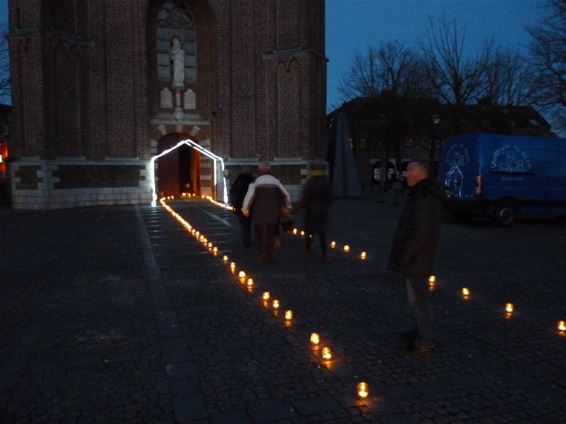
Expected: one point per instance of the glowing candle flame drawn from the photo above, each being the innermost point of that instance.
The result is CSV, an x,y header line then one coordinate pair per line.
x,y
431,280
363,389
275,304
363,256
295,231
509,308
250,282
561,326
315,338
465,292
346,248
225,258
333,244
288,315
242,274
326,353
266,295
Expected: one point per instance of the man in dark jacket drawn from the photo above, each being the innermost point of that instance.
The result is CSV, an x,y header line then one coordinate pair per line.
x,y
316,199
238,191
414,248
265,199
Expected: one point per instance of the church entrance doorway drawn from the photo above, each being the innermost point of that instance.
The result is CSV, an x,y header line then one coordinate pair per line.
x,y
179,170
184,166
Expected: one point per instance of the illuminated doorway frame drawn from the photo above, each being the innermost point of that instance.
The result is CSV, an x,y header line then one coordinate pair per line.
x,y
200,149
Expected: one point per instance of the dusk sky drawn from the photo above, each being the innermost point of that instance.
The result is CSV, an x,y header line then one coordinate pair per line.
x,y
353,25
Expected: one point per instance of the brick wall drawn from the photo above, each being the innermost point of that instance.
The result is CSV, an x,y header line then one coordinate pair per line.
x,y
84,79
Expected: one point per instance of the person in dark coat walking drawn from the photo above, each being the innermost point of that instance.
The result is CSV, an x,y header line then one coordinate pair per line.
x,y
264,200
316,199
414,248
238,191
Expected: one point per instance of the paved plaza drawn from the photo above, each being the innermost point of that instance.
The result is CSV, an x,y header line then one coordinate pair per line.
x,y
117,314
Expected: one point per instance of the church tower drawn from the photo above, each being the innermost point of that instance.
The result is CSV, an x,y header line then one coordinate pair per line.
x,y
100,88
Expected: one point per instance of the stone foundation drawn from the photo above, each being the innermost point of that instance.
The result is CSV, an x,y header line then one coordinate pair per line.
x,y
74,182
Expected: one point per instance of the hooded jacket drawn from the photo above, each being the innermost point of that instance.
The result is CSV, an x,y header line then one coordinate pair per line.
x,y
265,198
414,245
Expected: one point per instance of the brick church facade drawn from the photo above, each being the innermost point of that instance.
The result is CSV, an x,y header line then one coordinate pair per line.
x,y
99,88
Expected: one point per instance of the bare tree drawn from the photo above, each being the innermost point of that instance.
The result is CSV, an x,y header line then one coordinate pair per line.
x,y
392,74
508,79
391,67
548,51
456,77
4,68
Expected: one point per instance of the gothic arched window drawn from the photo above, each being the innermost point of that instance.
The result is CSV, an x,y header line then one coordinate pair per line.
x,y
175,20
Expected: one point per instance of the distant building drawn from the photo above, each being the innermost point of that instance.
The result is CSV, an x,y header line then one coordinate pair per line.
x,y
5,130
100,87
415,128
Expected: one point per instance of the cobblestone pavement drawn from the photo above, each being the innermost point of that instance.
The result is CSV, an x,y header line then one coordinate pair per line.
x,y
117,314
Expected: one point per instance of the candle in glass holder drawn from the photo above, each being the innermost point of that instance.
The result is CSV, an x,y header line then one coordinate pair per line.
x,y
363,390
509,310
315,338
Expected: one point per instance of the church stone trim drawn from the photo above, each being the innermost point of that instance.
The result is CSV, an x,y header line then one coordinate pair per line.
x,y
259,93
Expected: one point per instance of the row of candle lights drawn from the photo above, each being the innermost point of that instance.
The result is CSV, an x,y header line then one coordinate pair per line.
x,y
267,299
346,248
508,309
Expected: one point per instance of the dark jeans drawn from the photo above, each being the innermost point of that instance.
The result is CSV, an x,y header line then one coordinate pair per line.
x,y
420,302
265,240
246,227
309,238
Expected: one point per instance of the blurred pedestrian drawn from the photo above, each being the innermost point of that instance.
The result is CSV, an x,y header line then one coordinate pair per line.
x,y
238,191
264,200
316,199
414,249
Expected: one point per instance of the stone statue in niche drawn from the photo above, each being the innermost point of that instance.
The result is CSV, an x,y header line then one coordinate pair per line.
x,y
178,59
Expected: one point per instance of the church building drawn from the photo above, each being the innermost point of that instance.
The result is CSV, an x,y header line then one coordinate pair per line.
x,y
113,100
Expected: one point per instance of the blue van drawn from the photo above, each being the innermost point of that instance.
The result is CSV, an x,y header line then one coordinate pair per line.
x,y
503,176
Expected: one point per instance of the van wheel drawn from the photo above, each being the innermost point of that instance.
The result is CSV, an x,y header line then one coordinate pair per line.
x,y
504,213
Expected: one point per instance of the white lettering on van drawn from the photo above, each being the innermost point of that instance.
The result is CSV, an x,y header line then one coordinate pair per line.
x,y
509,158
